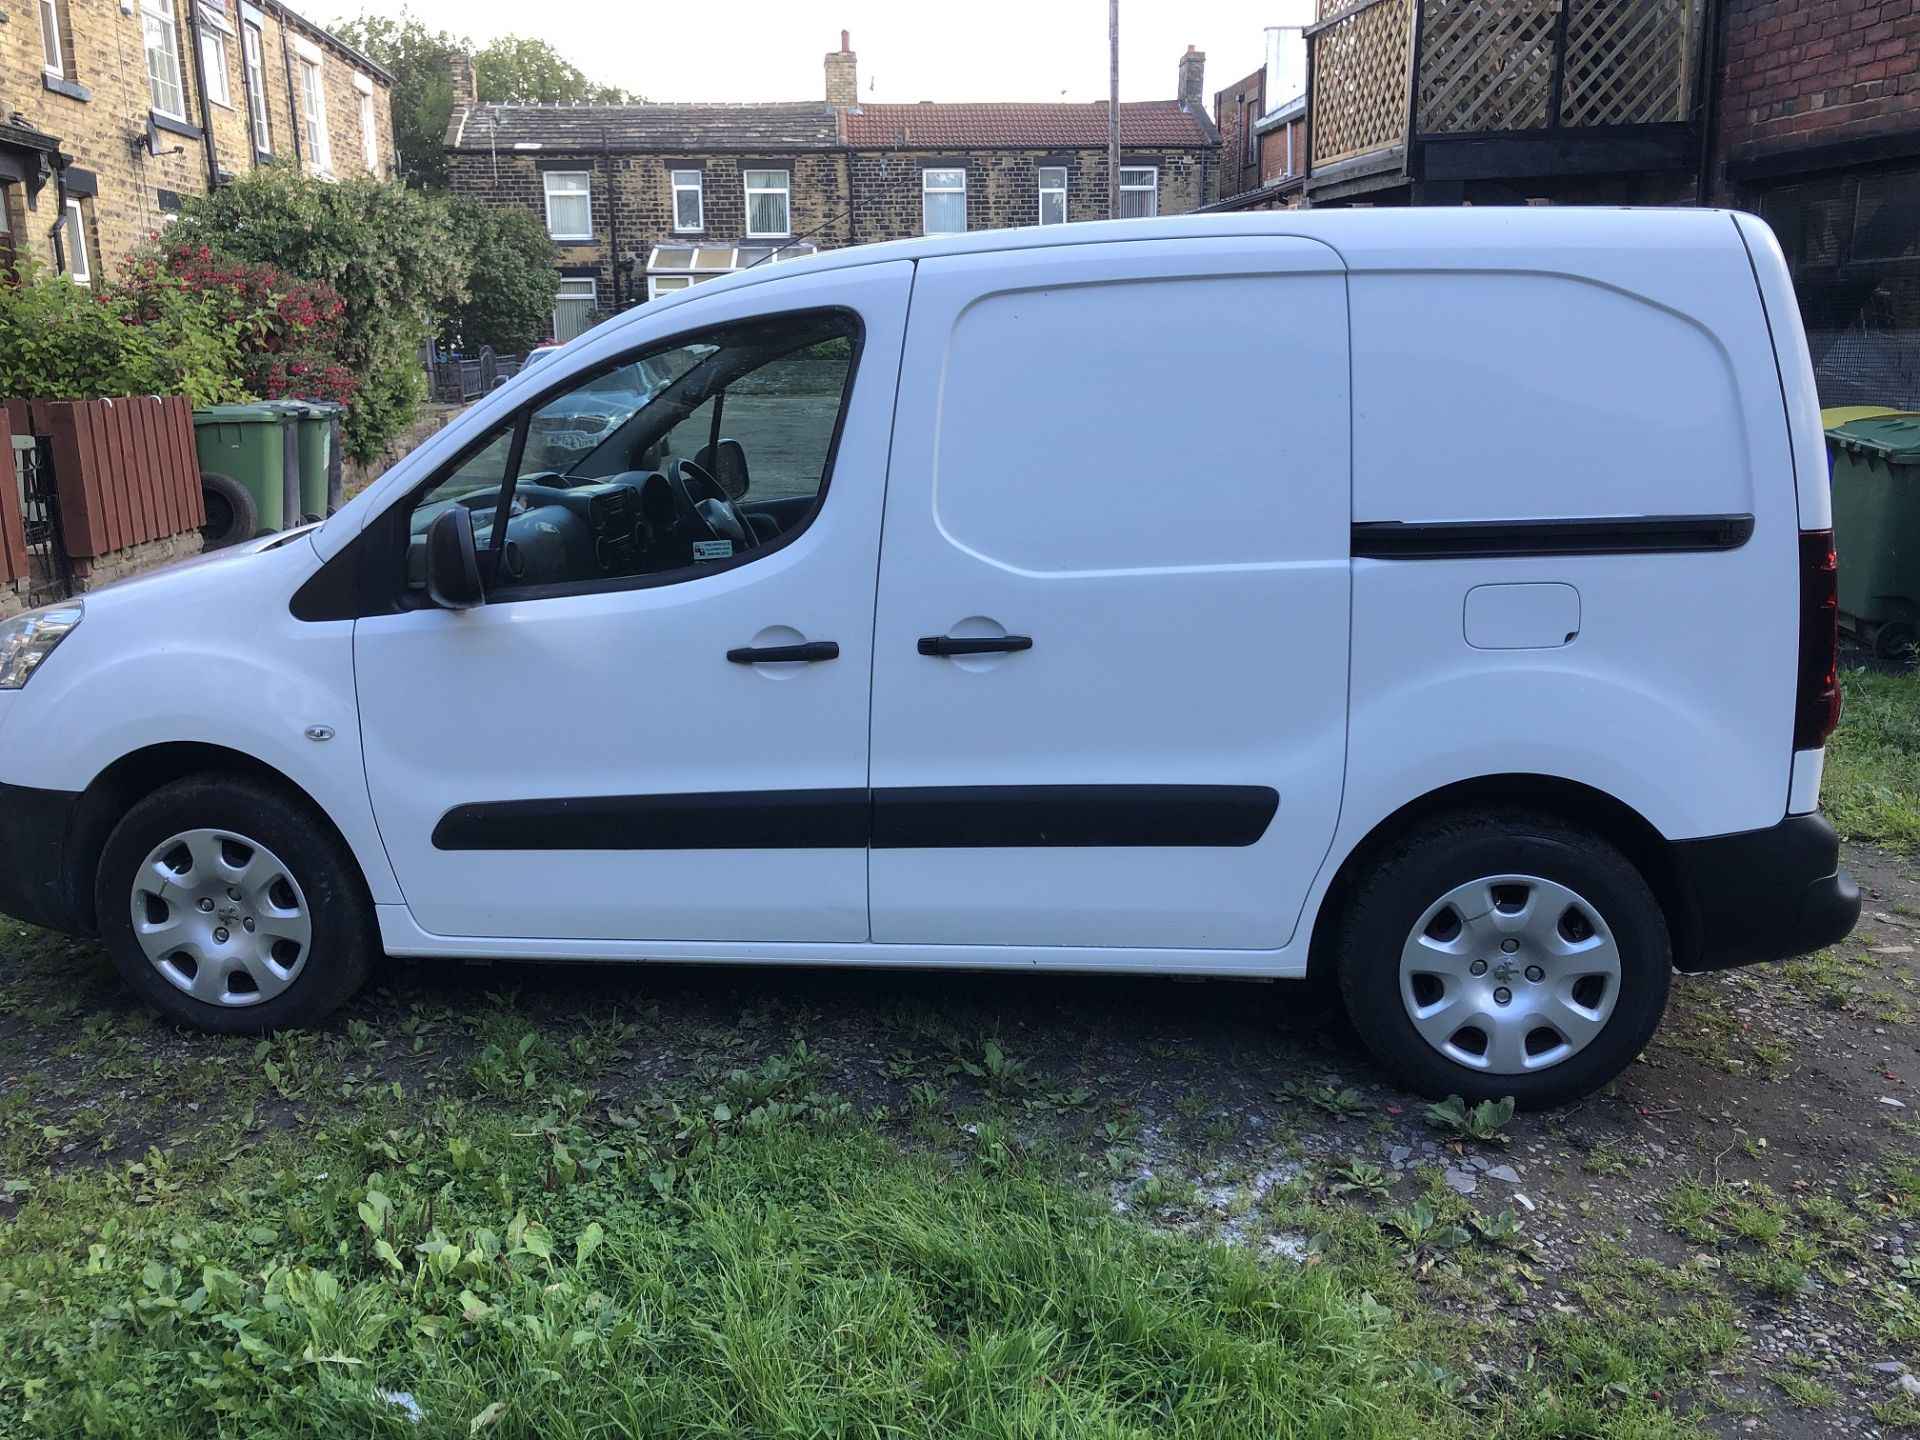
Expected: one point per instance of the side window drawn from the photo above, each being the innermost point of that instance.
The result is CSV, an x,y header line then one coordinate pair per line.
x,y
700,453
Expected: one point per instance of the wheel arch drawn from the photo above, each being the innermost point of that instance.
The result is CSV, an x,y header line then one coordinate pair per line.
x,y
1605,815
138,774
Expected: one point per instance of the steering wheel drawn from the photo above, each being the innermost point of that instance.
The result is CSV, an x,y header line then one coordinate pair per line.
x,y
699,498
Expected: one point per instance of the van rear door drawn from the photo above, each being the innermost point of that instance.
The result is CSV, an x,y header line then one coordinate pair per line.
x,y
1110,661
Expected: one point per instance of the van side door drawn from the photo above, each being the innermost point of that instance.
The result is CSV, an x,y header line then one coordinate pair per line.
x,y
1109,687
655,727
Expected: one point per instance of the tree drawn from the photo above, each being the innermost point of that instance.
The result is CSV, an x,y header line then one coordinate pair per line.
x,y
391,255
510,301
515,70
511,70
421,62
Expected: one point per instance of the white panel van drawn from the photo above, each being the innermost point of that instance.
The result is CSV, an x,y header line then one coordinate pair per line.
x,y
1253,596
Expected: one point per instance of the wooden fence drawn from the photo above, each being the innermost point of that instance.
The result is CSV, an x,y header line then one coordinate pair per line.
x,y
14,561
1493,66
125,471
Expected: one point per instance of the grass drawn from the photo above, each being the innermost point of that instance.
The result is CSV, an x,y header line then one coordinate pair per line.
x,y
1872,783
703,1278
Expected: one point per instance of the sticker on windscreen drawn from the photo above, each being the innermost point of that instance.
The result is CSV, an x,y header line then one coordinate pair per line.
x,y
713,550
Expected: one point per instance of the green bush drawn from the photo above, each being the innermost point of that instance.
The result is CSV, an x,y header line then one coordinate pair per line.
x,y
510,301
391,254
62,341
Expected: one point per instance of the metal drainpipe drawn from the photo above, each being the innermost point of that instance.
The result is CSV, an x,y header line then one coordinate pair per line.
x,y
1712,66
613,218
59,233
293,99
194,24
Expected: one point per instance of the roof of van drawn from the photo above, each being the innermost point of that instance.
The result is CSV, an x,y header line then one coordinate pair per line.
x,y
1365,239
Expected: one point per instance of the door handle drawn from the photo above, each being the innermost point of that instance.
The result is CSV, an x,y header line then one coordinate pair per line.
x,y
968,645
806,652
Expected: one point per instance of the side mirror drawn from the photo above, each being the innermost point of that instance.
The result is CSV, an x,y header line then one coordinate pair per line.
x,y
453,564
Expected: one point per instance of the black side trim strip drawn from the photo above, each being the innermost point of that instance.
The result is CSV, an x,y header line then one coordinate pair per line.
x,y
1486,539
940,817
1068,816
720,820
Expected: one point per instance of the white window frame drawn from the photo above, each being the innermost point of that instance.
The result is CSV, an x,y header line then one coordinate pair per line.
x,y
592,297
53,54
689,182
658,285
157,22
1151,189
79,266
928,188
784,190
369,124
585,192
213,60
1044,189
253,62
313,110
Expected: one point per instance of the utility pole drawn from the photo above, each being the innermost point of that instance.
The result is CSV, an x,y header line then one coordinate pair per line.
x,y
1113,109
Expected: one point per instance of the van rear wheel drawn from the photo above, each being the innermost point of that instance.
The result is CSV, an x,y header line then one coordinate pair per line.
x,y
1504,954
231,906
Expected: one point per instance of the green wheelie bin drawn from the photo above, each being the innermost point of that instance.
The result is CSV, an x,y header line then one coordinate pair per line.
x,y
1876,527
317,439
243,470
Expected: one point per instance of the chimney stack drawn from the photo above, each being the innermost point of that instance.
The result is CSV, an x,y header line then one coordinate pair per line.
x,y
843,81
465,83
1193,67
1287,55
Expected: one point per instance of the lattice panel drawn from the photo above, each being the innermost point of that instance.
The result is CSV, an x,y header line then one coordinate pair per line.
x,y
1362,67
1486,64
1627,61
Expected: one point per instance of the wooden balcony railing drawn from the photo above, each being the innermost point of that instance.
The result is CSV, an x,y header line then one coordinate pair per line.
x,y
1493,66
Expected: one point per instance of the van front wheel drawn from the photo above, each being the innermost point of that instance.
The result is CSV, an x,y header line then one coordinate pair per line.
x,y
1504,954
231,906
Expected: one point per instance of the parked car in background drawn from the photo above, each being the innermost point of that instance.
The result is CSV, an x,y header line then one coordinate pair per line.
x,y
985,653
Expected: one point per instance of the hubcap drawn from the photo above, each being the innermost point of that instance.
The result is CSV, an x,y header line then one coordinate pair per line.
x,y
1510,974
221,917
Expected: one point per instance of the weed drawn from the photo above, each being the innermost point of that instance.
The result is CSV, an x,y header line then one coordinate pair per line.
x,y
1419,1225
1324,1097
1805,1392
1364,1178
1486,1121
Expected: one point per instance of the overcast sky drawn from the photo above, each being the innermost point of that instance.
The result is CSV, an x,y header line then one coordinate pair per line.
x,y
909,49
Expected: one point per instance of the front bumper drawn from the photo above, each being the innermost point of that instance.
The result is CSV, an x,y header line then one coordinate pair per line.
x,y
1765,894
37,879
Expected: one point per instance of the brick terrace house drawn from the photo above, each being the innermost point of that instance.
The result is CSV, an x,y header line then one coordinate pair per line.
x,y
646,198
1263,127
112,110
1818,131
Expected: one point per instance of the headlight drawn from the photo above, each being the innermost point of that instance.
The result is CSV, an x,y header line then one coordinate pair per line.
x,y
28,639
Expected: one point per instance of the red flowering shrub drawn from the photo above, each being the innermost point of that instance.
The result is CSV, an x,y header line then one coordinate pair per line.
x,y
283,331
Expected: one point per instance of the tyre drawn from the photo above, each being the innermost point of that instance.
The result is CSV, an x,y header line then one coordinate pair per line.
x,y
1504,954
231,514
1893,641
231,906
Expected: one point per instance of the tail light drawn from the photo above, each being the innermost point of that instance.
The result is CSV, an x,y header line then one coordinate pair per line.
x,y
1817,696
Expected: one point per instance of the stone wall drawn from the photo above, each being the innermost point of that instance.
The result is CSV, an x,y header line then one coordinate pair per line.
x,y
120,564
103,100
631,197
1003,186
